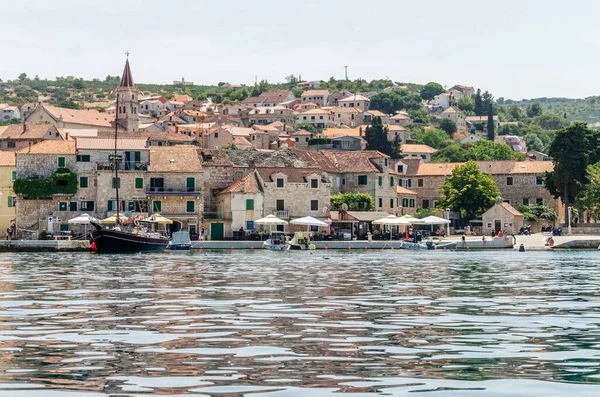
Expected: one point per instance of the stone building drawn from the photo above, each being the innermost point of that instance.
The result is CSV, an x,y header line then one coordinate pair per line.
x,y
243,202
19,136
218,174
8,199
502,216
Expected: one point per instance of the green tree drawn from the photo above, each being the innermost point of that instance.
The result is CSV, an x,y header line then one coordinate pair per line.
x,y
448,126
515,113
467,105
435,138
534,142
487,100
396,147
419,116
469,191
430,90
589,199
534,109
490,123
453,153
308,127
354,201
478,103
550,121
572,150
485,150
376,136
22,76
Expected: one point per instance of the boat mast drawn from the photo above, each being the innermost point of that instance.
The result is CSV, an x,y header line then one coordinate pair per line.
x,y
116,162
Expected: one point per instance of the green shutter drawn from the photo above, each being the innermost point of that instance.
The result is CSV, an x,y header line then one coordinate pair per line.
x,y
116,184
189,206
391,181
14,175
61,162
10,201
139,183
380,180
412,203
249,204
190,184
83,182
64,227
110,205
157,206
409,182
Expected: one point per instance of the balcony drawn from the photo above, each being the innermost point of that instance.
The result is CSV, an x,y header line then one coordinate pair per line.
x,y
282,214
163,191
217,215
123,166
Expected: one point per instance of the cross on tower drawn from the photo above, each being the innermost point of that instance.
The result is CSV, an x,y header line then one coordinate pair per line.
x,y
127,53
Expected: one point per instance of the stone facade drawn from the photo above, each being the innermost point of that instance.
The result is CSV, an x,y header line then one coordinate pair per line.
x,y
502,216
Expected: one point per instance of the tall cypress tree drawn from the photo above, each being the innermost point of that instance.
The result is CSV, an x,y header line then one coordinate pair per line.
x,y
478,103
490,125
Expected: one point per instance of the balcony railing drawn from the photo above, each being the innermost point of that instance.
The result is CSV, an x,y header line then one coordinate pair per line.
x,y
282,214
172,191
123,166
217,215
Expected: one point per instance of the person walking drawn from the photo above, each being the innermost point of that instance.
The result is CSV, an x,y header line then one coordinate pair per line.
x,y
8,233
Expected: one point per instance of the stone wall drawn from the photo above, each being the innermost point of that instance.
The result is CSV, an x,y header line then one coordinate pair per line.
x,y
297,198
42,165
216,178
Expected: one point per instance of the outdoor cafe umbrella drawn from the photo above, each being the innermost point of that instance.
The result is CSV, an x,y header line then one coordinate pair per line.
x,y
392,220
434,220
83,219
111,220
309,221
158,218
270,220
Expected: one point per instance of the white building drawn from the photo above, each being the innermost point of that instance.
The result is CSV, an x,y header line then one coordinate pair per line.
x,y
8,112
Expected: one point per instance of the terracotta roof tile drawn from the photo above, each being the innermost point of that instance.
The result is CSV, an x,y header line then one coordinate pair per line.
x,y
50,147
248,184
488,167
403,190
315,92
75,116
416,148
109,144
181,158
7,159
294,175
32,131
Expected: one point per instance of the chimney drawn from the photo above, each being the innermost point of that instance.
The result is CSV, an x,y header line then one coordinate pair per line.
x,y
24,126
360,131
29,151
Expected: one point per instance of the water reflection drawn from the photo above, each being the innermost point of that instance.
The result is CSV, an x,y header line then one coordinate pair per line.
x,y
276,324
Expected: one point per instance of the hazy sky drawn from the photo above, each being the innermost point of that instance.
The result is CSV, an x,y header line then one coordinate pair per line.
x,y
513,48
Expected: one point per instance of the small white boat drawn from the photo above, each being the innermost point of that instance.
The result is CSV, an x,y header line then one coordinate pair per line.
x,y
276,242
428,245
180,241
301,241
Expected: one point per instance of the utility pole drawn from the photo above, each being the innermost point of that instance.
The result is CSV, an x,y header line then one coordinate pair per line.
x,y
346,72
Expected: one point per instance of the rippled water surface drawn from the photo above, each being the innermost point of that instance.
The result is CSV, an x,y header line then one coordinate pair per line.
x,y
294,324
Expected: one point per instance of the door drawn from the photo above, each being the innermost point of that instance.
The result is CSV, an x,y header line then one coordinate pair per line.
x,y
497,226
193,231
216,231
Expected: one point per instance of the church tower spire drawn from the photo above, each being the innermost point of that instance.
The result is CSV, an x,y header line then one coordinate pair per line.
x,y
127,112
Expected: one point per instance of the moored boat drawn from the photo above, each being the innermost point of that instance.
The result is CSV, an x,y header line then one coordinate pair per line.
x,y
301,241
276,242
180,241
116,240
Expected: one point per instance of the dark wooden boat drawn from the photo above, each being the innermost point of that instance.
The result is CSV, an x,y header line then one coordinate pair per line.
x,y
118,241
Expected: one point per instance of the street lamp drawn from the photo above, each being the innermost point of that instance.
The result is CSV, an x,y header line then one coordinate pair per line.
x,y
448,224
569,209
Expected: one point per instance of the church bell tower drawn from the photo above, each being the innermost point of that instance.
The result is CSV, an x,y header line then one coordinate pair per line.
x,y
128,104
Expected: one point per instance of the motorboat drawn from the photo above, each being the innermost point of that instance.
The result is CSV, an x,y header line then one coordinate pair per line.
x,y
276,242
301,241
180,241
428,245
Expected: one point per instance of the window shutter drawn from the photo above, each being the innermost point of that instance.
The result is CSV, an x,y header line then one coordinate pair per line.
x,y
189,206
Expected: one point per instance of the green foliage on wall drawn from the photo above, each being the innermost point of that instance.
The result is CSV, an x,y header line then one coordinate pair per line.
x,y
62,181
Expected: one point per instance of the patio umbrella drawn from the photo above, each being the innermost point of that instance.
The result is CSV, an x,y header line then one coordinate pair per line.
x,y
111,220
270,220
83,219
392,220
308,221
158,218
412,219
434,220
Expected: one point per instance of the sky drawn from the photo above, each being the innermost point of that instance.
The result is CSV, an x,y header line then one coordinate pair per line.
x,y
513,48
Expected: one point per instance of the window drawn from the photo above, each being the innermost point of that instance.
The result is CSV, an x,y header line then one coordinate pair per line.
x,y
539,201
87,206
61,162
419,182
83,158
156,206
64,227
539,180
362,180
391,203
157,184
11,144
380,180
216,134
385,162
314,205
280,182
526,201
425,204
391,181
314,183
11,202
506,201
412,203
380,202
405,202
83,182
139,183
13,176
280,205
190,184
424,156
62,206
190,206
116,183
400,168
509,181
249,225
249,204
343,181
73,206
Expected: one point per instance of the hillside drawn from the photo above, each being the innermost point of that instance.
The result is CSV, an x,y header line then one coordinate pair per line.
x,y
586,110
